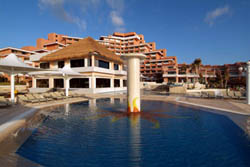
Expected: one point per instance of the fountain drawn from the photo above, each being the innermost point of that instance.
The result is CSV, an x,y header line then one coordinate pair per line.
x,y
133,80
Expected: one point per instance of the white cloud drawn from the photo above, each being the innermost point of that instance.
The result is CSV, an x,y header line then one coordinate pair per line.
x,y
116,19
57,7
215,14
117,7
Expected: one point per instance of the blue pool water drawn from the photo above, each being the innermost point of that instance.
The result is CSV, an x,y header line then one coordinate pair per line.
x,y
164,135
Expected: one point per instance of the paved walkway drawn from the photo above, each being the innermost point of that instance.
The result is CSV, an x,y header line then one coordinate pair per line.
x,y
233,106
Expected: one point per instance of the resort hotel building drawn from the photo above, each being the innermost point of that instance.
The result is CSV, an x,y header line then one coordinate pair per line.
x,y
127,43
100,69
157,66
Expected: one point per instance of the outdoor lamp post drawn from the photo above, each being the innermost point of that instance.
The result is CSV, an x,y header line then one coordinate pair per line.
x,y
247,70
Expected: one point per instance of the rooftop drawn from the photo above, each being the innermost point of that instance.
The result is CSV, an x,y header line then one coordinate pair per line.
x,y
82,49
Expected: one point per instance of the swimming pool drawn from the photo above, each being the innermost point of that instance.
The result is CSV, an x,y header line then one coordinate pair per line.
x,y
103,134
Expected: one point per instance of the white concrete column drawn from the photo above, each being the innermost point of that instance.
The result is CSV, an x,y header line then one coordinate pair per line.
x,y
33,82
111,65
133,78
12,87
51,82
248,82
67,86
92,61
112,82
90,84
121,83
85,62
93,82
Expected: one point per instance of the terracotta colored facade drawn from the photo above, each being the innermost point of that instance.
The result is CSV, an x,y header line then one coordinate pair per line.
x,y
54,41
20,53
186,73
23,54
125,43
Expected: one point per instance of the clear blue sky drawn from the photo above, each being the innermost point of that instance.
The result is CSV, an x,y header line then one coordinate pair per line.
x,y
217,31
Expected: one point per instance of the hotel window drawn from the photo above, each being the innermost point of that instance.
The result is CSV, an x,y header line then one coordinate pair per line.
x,y
89,62
102,83
42,83
58,83
79,83
77,63
103,64
60,64
116,67
44,65
124,83
117,82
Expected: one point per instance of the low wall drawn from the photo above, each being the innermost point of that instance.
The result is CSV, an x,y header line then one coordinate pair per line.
x,y
149,85
177,89
6,88
38,90
80,90
206,90
105,90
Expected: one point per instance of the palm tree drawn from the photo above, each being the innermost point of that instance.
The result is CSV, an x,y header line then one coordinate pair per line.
x,y
226,76
219,78
196,66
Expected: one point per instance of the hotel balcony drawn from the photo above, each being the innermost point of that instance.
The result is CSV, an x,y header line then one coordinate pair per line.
x,y
181,75
99,69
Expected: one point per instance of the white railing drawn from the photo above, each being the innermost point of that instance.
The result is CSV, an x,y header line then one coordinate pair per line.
x,y
99,69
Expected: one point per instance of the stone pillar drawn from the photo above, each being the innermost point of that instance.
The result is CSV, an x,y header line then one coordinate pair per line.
x,y
121,83
51,82
111,65
133,78
85,62
12,86
67,86
112,82
33,82
90,83
93,82
92,61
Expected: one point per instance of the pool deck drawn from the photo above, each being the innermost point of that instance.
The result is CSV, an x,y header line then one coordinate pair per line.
x,y
14,117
